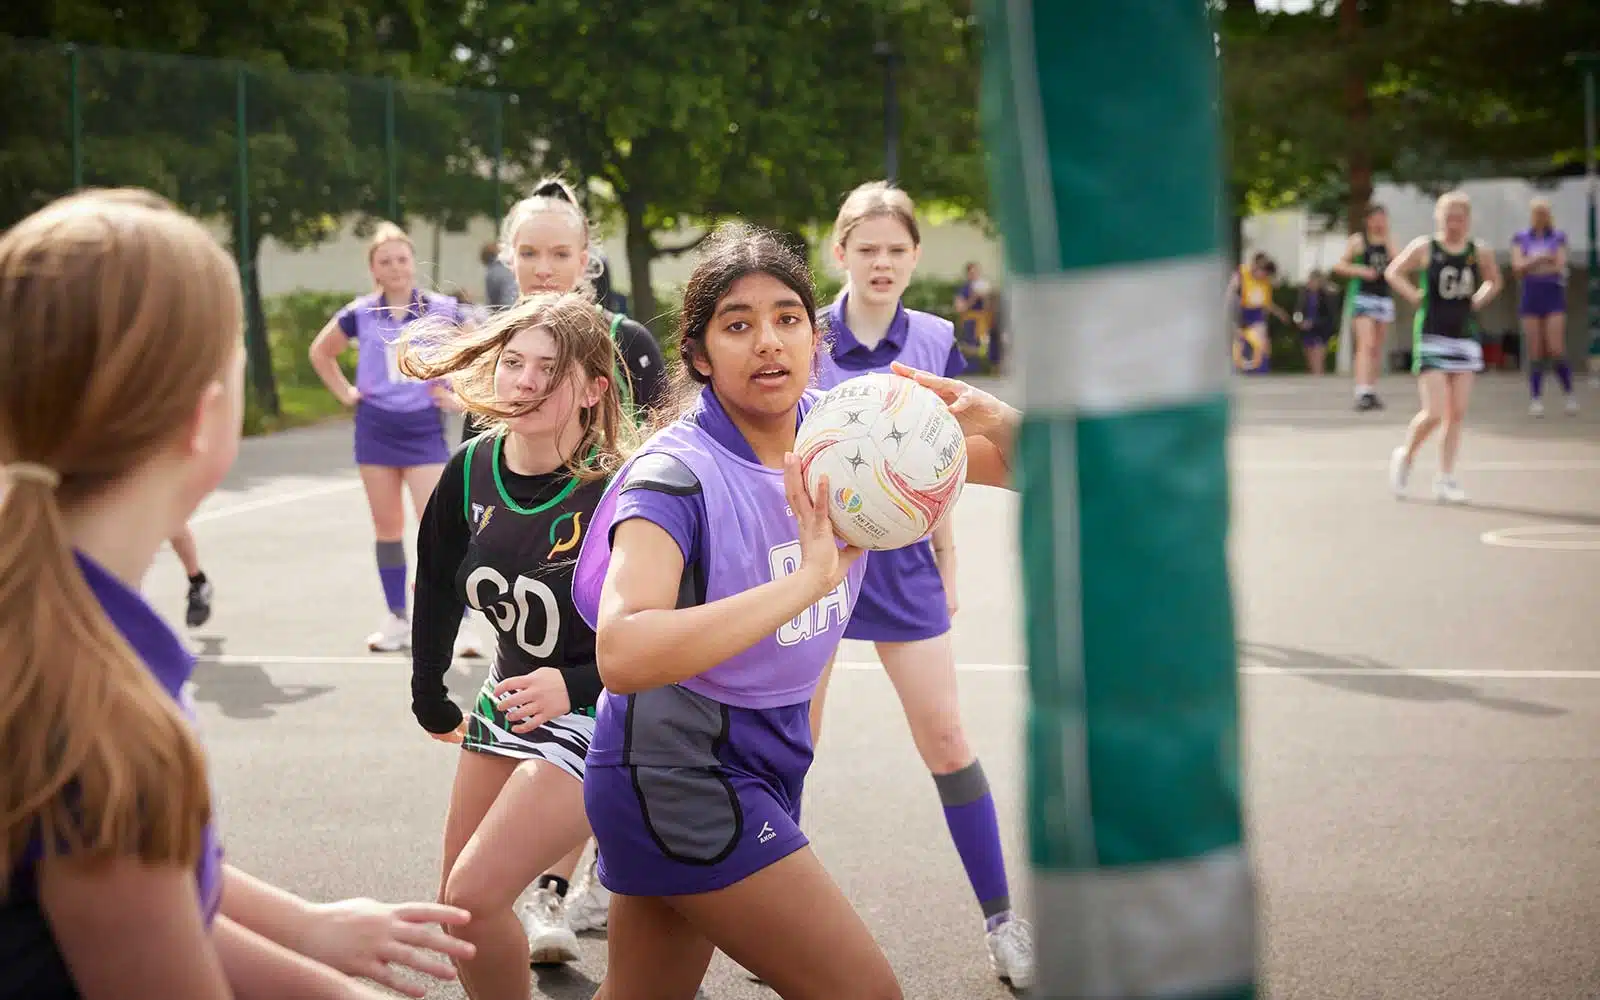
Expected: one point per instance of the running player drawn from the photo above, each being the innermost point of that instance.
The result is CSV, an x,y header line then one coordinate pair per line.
x,y
1460,277
1539,259
1251,288
501,533
909,594
717,609
399,426
113,883
547,243
1365,260
549,247
198,611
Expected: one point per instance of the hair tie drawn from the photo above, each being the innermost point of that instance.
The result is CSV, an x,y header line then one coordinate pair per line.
x,y
32,472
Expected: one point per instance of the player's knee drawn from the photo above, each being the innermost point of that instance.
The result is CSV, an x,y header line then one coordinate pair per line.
x,y
944,747
478,896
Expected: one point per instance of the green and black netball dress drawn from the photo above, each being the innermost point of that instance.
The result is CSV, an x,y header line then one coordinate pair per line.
x,y
505,544
1444,336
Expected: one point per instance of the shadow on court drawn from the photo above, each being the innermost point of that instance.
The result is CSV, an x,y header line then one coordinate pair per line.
x,y
1384,680
245,690
563,983
1555,516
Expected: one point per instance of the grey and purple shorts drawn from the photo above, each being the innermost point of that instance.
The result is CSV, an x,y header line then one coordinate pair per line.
x,y
688,795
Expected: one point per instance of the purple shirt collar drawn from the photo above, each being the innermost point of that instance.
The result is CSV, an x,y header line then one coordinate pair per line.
x,y
714,420
844,341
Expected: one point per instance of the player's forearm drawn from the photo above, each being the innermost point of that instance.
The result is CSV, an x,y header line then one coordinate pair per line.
x,y
650,649
261,969
274,913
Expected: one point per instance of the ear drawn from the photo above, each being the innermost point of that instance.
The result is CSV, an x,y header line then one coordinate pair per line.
x,y
596,391
583,262
916,254
838,253
697,358
197,429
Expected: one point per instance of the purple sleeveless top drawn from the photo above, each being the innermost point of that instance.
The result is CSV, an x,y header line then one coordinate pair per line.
x,y
376,331
902,597
739,531
1548,242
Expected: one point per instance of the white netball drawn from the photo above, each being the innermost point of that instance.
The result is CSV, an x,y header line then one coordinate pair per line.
x,y
894,457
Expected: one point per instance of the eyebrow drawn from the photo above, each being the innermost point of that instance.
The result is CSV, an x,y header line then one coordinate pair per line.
x,y
737,306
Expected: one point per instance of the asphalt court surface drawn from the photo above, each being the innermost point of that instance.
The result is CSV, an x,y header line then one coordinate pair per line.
x,y
1420,691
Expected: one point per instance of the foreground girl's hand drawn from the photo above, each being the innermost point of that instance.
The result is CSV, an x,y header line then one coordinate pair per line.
x,y
820,552
373,940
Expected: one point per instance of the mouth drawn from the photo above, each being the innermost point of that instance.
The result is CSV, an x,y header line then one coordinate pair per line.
x,y
771,377
880,283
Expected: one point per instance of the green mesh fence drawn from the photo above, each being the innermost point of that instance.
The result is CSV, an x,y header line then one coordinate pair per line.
x,y
258,151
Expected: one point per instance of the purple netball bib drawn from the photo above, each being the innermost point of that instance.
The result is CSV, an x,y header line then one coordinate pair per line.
x,y
377,332
747,537
1547,242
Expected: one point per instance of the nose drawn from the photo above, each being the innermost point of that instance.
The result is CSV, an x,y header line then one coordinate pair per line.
x,y
767,339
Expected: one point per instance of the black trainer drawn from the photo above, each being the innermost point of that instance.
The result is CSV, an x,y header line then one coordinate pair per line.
x,y
199,601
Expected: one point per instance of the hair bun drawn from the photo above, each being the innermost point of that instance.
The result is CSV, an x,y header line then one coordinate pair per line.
x,y
553,188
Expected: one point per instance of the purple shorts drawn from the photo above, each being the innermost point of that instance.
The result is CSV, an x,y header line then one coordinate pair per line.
x,y
686,795
1542,298
400,439
902,598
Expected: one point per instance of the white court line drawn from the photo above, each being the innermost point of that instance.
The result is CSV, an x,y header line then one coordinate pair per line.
x,y
246,506
1552,465
1365,465
381,659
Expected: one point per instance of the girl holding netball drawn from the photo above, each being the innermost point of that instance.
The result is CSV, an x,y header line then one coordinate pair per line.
x,y
909,594
501,534
720,592
113,883
399,425
1539,259
1460,277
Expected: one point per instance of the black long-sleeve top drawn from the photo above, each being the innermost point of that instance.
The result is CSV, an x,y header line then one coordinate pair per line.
x,y
512,539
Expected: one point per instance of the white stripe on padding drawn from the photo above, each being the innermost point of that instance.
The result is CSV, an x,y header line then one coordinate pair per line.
x,y
1178,929
1121,338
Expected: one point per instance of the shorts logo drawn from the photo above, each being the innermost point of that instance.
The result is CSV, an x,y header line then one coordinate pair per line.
x,y
766,834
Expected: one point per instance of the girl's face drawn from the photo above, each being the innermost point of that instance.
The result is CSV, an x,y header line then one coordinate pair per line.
x,y
880,256
526,371
1457,222
394,268
548,253
1378,225
758,347
1542,219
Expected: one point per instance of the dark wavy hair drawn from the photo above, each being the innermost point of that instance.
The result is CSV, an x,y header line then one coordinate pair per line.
x,y
736,250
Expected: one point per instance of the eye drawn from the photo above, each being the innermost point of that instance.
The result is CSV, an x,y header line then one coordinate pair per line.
x,y
737,326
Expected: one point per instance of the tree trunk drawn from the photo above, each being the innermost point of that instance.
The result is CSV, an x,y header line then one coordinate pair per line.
x,y
258,348
1359,109
641,251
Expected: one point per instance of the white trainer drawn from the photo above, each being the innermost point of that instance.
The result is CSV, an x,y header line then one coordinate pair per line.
x,y
550,940
392,636
1011,953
